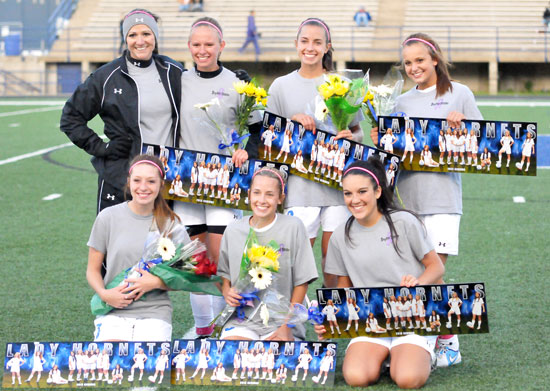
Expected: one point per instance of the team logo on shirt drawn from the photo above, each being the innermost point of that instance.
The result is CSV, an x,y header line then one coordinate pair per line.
x,y
220,93
118,91
440,102
388,239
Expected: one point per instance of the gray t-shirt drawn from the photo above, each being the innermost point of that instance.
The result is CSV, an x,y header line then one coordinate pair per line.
x,y
427,192
293,94
155,110
120,234
296,263
370,259
197,133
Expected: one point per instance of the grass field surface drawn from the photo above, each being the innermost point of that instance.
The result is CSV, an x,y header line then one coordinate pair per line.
x,y
45,296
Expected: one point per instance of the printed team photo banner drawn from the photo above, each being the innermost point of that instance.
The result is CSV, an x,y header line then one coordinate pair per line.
x,y
208,178
317,157
397,311
479,147
253,363
86,364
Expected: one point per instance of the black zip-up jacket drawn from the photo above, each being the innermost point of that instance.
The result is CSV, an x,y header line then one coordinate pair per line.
x,y
111,93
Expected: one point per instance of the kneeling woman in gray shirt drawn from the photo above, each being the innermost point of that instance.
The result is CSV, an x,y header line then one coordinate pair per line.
x,y
378,246
118,235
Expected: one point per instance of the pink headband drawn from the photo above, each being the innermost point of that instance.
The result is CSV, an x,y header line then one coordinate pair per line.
x,y
139,12
209,24
148,162
318,21
274,172
365,170
421,40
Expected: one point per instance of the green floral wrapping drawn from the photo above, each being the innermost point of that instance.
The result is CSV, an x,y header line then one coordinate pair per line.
x,y
177,280
341,111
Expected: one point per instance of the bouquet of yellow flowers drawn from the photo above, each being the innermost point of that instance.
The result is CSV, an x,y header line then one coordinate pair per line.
x,y
233,135
252,98
343,98
260,304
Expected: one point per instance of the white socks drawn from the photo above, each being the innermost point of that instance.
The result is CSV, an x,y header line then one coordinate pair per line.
x,y
202,309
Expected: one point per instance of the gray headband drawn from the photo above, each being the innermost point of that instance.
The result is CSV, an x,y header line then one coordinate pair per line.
x,y
140,17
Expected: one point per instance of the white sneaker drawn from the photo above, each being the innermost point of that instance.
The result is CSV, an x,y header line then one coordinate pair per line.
x,y
447,352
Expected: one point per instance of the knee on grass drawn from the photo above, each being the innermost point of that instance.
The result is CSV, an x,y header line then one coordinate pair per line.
x,y
357,376
408,378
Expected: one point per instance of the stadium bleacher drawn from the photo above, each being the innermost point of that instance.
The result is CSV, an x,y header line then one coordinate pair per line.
x,y
483,32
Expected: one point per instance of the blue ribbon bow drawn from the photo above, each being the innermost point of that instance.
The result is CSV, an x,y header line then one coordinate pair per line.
x,y
315,316
247,300
146,265
235,139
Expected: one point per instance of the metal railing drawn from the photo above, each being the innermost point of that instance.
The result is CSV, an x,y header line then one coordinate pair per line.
x,y
495,41
58,19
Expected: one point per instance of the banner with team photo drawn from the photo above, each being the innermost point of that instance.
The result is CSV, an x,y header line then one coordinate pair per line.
x,y
397,311
208,178
86,364
253,363
479,147
317,157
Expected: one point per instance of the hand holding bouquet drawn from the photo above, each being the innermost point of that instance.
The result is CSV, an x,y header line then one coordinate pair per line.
x,y
255,300
181,266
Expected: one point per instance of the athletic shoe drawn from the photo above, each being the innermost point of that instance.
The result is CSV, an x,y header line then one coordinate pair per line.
x,y
447,352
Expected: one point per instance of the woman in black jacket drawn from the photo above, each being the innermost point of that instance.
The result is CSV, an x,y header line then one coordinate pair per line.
x,y
138,98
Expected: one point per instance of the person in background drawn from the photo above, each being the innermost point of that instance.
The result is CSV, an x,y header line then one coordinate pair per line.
x,y
252,35
362,17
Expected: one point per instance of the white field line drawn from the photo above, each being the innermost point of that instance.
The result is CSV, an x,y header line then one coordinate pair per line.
x,y
497,103
32,103
33,154
29,111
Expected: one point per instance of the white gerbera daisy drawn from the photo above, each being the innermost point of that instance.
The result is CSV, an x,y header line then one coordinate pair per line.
x,y
204,106
166,249
264,314
321,110
261,278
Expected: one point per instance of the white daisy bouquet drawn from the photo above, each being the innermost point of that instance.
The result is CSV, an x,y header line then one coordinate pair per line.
x,y
380,100
260,303
179,263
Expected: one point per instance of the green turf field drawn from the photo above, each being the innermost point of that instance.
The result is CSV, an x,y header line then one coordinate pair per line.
x,y
43,256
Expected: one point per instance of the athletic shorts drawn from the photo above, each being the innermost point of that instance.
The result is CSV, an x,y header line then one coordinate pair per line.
x,y
443,230
313,217
212,218
113,327
425,342
244,332
506,149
